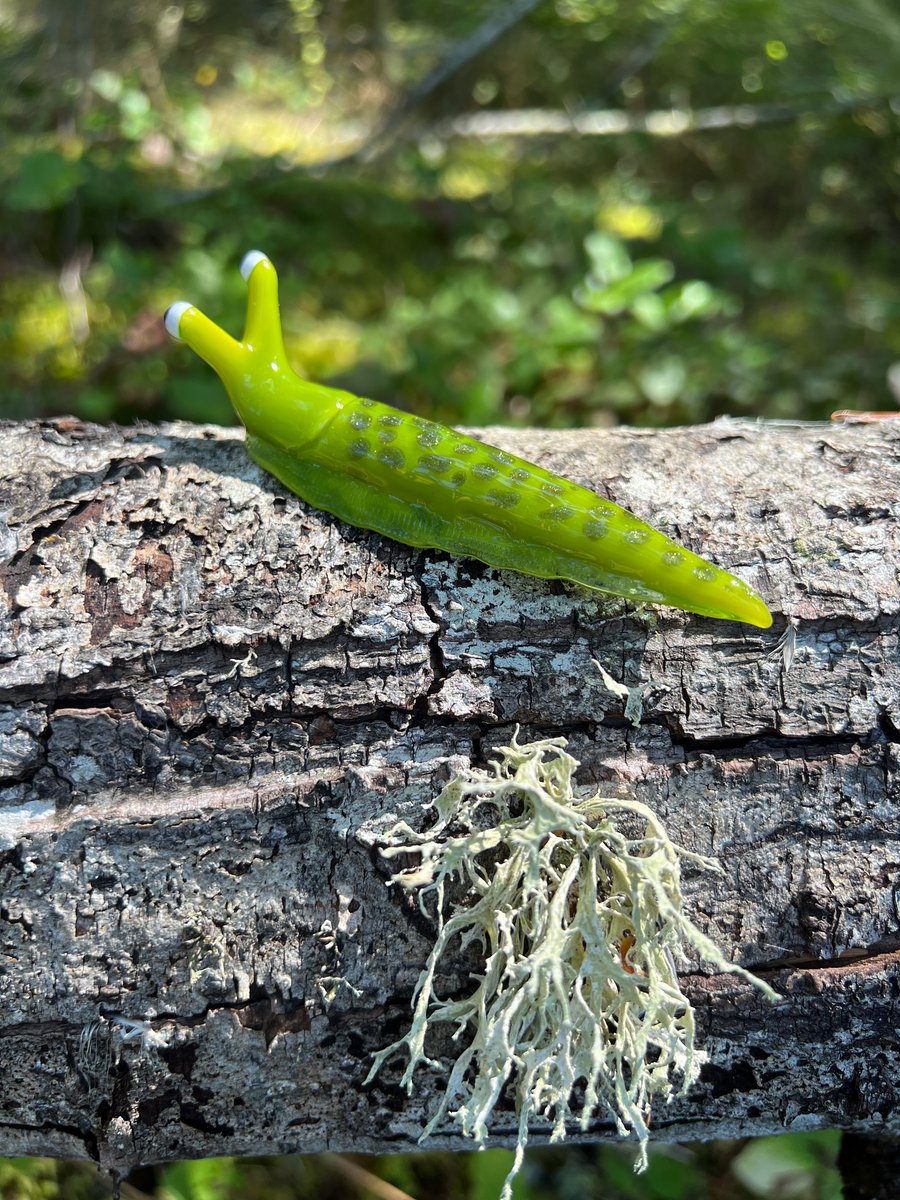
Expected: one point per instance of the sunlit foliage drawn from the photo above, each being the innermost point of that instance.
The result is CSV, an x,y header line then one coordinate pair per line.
x,y
468,278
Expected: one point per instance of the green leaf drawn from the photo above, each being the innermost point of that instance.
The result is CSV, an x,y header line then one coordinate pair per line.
x,y
796,1166
107,84
663,381
45,180
200,1179
650,310
610,260
693,299
488,1170
646,276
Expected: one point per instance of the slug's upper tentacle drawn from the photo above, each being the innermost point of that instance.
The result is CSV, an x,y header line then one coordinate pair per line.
x,y
262,328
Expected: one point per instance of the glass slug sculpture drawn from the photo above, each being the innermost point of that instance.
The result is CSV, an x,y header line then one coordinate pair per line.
x,y
427,485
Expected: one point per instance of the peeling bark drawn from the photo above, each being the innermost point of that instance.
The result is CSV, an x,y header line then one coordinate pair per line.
x,y
213,699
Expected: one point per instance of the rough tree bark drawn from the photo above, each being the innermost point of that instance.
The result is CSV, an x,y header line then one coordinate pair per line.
x,y
212,696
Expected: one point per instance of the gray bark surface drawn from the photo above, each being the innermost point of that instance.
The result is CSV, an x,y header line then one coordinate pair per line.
x,y
213,699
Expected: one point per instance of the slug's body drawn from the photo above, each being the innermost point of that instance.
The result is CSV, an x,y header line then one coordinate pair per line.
x,y
427,485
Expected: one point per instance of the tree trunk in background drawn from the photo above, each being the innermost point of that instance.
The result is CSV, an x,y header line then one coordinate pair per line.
x,y
213,697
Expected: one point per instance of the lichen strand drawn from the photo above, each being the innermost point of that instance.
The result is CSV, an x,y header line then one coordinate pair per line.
x,y
578,1005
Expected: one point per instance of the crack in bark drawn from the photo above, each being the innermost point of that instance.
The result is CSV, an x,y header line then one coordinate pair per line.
x,y
882,956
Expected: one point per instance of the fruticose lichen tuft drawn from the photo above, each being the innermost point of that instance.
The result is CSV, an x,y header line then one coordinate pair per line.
x,y
578,908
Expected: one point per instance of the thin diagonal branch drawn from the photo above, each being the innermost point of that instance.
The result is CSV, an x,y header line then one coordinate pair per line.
x,y
459,56
612,122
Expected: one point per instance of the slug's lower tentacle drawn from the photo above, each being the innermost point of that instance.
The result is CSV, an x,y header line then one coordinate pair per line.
x,y
214,345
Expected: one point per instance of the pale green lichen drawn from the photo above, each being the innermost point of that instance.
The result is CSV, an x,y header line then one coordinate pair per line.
x,y
633,696
578,908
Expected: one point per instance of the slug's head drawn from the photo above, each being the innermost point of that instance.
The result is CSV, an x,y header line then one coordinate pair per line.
x,y
255,371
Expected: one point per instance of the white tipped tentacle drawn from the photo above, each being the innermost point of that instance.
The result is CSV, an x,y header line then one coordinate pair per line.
x,y
173,316
250,260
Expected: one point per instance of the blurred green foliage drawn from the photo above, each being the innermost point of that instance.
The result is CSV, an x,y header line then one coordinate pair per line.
x,y
793,1167
549,280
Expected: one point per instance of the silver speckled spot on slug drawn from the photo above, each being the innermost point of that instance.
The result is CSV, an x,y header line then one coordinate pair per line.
x,y
386,436
637,537
595,529
429,437
484,470
436,463
503,498
559,512
390,419
519,475
552,489
672,558
707,574
366,403
360,420
603,510
358,448
391,457
500,456
458,478
464,448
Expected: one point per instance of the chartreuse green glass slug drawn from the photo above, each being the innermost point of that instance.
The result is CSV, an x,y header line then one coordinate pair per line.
x,y
427,485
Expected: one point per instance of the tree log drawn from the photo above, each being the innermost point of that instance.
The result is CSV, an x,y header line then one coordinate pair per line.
x,y
213,698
